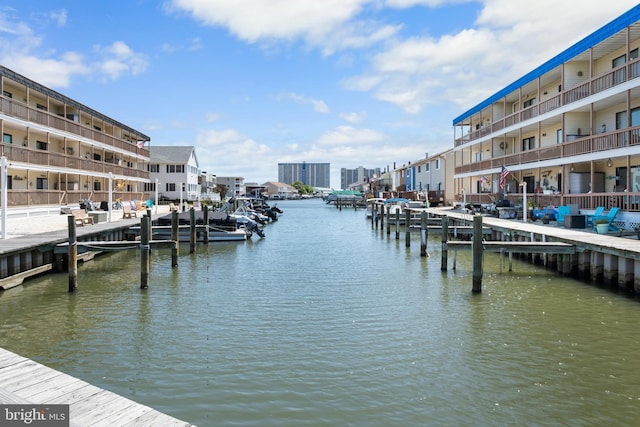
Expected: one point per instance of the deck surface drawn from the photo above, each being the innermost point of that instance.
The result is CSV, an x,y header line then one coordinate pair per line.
x,y
25,381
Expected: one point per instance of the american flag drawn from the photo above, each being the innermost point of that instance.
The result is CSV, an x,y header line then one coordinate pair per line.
x,y
503,176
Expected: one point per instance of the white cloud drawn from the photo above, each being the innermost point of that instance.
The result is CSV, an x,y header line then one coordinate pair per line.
x,y
118,59
252,20
349,136
354,118
509,39
330,25
319,106
59,17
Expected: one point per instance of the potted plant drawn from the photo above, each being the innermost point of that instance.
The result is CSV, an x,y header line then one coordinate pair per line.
x,y
602,225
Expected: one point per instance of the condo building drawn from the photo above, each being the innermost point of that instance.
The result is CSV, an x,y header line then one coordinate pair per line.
x,y
58,151
313,174
568,132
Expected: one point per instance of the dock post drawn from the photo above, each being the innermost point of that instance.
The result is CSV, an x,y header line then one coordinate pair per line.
x,y
144,252
72,251
149,227
375,216
205,221
192,230
397,220
175,238
476,249
388,220
424,233
445,235
407,228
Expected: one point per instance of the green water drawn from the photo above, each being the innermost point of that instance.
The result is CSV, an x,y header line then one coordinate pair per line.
x,y
327,322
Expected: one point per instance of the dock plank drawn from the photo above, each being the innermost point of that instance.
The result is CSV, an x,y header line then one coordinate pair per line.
x,y
25,381
99,408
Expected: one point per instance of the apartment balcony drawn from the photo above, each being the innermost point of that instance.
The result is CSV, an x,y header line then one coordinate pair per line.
x,y
20,110
67,161
588,144
597,84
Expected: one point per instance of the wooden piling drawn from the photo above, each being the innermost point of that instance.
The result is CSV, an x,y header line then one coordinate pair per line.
x,y
388,220
444,259
477,254
145,265
205,221
175,238
407,228
397,219
192,230
424,233
72,261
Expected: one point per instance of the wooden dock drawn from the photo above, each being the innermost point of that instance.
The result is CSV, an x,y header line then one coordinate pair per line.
x,y
611,259
23,381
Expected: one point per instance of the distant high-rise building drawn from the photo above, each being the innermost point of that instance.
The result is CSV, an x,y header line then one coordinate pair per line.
x,y
352,176
313,174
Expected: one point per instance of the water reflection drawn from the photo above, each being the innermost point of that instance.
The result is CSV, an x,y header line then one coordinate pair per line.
x,y
328,322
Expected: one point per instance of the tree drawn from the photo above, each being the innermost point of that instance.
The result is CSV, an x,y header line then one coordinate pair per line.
x,y
302,188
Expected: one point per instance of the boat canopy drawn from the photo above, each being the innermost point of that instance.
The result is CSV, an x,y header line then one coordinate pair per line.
x,y
397,200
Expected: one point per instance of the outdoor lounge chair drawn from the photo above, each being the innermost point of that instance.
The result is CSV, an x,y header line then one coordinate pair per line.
x,y
127,212
589,218
609,217
562,211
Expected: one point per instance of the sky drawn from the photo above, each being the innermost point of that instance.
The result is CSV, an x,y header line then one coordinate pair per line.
x,y
254,83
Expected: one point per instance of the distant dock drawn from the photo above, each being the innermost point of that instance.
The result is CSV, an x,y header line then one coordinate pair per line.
x,y
23,381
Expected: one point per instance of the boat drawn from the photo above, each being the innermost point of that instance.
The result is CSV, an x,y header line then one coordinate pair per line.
x,y
373,203
222,227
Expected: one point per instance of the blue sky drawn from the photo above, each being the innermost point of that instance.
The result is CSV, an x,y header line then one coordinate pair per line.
x,y
252,83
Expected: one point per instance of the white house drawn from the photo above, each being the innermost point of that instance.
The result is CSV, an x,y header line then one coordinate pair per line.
x,y
176,172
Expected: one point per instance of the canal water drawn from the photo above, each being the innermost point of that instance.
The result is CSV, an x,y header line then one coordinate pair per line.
x,y
328,322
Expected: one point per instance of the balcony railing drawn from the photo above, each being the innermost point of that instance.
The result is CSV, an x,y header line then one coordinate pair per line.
x,y
60,160
60,197
597,84
587,144
629,202
20,110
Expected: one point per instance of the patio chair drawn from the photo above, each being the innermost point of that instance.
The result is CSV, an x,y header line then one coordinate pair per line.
x,y
127,212
562,211
609,217
588,219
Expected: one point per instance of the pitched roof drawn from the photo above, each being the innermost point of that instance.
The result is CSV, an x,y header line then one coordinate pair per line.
x,y
171,154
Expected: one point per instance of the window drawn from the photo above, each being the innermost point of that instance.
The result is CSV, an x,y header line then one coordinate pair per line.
x,y
7,94
154,168
621,118
419,169
7,138
529,143
620,60
171,186
41,107
437,164
175,168
528,103
559,136
41,184
426,167
41,145
478,156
